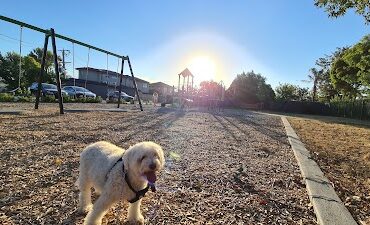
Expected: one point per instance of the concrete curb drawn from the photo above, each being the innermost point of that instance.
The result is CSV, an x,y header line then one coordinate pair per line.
x,y
329,209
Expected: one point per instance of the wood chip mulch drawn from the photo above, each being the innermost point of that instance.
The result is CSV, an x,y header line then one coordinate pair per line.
x,y
228,167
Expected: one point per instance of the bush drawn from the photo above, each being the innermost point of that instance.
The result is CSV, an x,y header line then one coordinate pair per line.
x,y
5,97
68,99
23,92
22,99
89,100
49,98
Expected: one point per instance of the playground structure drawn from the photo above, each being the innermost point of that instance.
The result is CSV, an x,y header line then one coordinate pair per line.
x,y
211,97
51,34
186,74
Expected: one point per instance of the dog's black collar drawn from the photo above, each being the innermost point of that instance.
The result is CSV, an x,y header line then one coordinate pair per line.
x,y
138,194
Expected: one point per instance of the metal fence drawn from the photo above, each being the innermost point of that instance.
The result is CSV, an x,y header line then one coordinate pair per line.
x,y
358,109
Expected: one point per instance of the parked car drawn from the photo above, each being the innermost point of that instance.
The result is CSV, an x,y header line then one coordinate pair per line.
x,y
78,92
46,89
113,95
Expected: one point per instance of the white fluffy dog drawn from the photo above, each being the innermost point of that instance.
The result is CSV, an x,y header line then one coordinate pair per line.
x,y
116,175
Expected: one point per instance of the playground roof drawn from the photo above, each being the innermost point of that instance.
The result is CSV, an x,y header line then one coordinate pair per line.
x,y
186,73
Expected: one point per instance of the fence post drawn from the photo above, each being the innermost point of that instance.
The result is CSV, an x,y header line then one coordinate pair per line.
x,y
362,109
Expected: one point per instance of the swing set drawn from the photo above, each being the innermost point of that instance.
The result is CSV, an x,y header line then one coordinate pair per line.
x,y
51,34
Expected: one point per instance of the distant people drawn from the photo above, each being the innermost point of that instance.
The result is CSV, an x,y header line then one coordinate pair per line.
x,y
155,98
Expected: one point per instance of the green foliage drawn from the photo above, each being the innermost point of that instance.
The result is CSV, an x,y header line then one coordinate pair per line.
x,y
326,89
315,77
336,8
89,100
251,88
22,99
49,98
49,61
290,92
9,69
31,64
68,99
23,92
5,97
346,107
210,88
31,70
350,71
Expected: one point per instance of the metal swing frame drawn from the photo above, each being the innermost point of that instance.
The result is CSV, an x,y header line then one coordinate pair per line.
x,y
51,34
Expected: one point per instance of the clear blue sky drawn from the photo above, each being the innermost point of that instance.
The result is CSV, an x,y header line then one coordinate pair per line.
x,y
281,39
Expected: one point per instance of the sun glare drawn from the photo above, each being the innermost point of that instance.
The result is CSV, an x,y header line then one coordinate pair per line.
x,y
203,68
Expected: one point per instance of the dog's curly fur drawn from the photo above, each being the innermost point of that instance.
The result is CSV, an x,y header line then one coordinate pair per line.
x,y
98,169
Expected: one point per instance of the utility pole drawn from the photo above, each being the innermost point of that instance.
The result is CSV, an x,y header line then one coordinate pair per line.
x,y
65,52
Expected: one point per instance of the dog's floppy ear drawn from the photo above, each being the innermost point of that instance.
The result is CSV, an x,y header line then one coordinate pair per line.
x,y
161,156
128,158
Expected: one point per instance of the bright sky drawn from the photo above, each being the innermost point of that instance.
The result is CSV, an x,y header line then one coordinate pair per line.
x,y
215,39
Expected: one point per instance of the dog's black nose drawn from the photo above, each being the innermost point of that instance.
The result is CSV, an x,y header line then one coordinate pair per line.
x,y
152,166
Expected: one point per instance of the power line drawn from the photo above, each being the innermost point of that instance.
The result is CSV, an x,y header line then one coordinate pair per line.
x,y
17,40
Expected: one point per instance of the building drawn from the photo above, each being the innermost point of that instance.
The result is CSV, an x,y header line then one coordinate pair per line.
x,y
164,90
103,81
161,88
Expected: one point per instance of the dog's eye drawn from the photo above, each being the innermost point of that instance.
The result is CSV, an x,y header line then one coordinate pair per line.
x,y
142,158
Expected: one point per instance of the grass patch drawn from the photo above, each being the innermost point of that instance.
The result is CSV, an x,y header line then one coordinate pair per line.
x,y
342,149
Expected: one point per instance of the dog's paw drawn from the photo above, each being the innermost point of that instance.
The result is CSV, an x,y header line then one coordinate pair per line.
x,y
85,209
136,221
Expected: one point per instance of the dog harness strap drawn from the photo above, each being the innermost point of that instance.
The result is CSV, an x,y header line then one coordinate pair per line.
x,y
139,194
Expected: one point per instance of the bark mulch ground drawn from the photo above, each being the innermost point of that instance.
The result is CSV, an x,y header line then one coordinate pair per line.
x,y
231,167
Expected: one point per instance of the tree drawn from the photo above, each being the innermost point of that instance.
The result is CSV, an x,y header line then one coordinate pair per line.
x,y
315,76
210,88
9,69
31,70
49,61
31,64
290,92
251,88
350,71
336,8
326,89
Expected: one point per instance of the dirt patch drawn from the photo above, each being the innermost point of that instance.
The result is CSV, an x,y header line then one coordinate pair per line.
x,y
231,167
343,153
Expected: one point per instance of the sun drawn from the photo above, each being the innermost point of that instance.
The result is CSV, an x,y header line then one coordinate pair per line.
x,y
203,68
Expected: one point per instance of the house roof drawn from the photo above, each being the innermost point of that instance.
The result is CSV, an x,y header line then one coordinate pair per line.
x,y
186,73
160,84
110,73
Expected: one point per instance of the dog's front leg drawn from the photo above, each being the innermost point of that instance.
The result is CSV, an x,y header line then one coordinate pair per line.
x,y
134,214
100,207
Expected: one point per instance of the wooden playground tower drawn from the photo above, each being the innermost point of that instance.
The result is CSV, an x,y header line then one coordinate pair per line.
x,y
185,89
51,34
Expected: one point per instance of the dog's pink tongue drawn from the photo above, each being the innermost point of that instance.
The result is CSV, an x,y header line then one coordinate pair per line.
x,y
151,177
